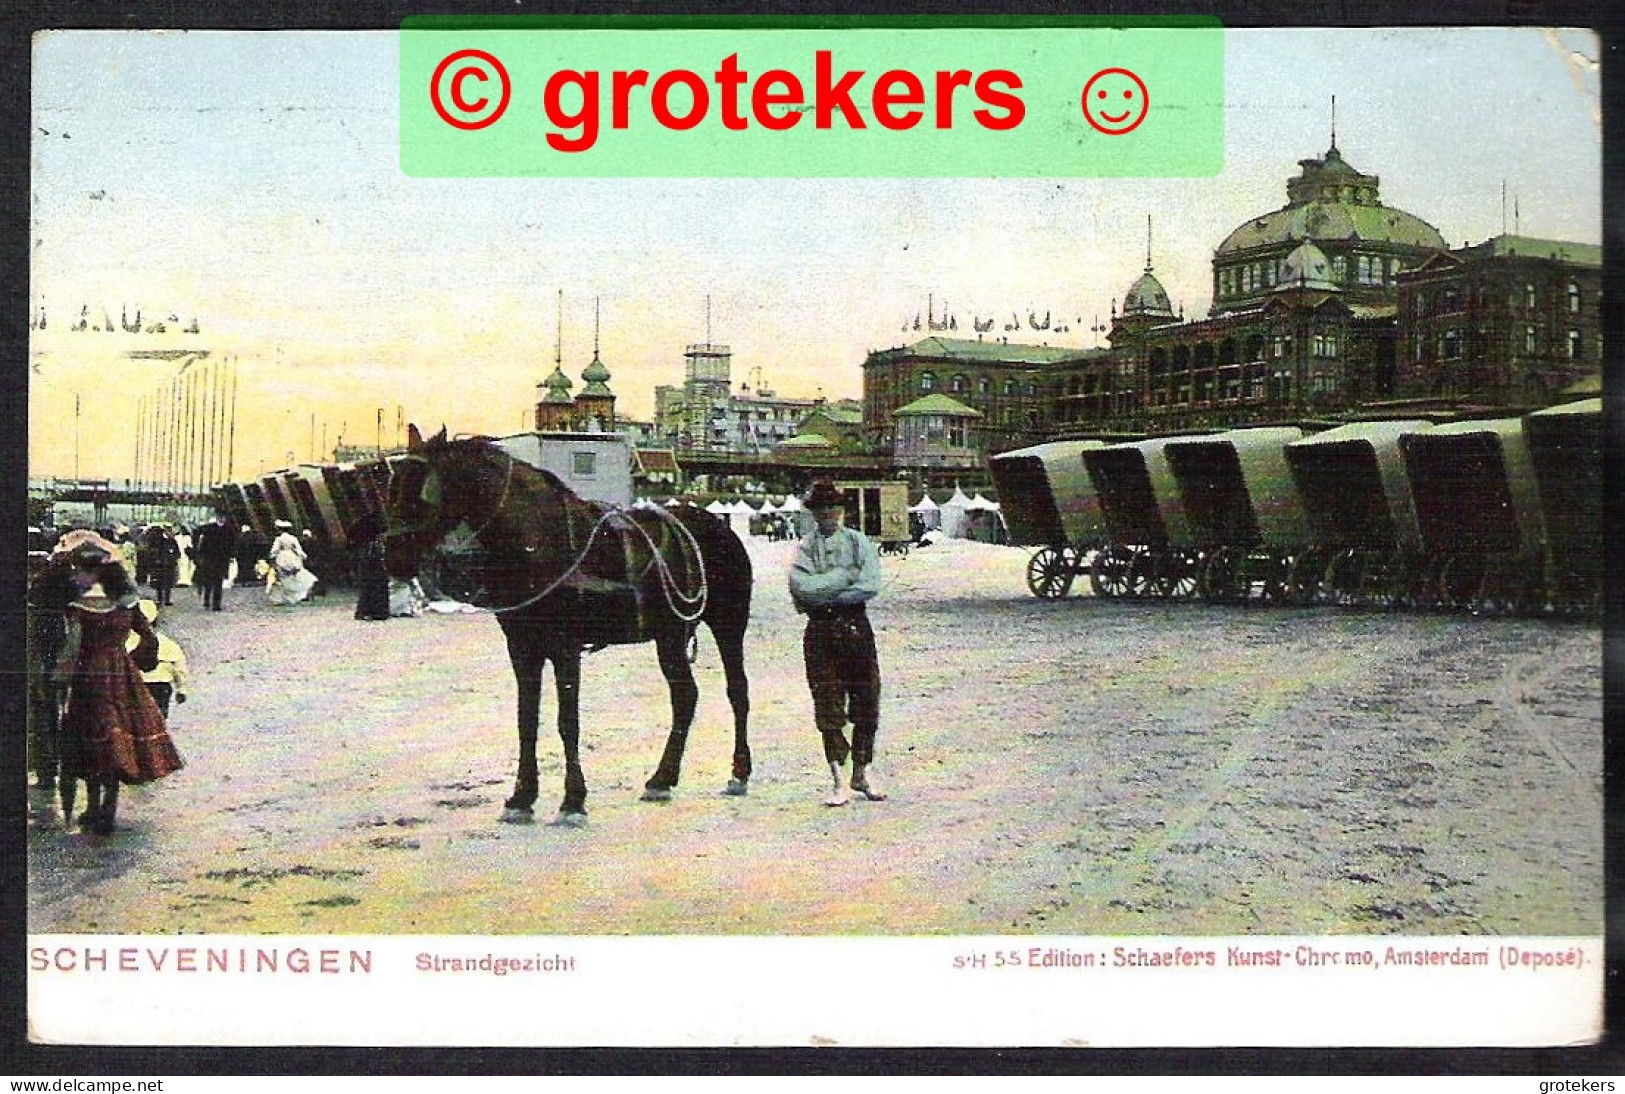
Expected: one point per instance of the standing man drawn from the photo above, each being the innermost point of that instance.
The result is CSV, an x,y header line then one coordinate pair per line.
x,y
837,571
216,542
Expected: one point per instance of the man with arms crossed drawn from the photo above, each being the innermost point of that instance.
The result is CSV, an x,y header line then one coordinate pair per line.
x,y
837,571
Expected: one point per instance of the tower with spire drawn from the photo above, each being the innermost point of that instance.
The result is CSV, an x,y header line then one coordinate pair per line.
x,y
555,409
1146,303
595,405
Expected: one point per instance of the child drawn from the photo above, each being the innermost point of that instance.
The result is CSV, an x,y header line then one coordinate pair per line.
x,y
169,678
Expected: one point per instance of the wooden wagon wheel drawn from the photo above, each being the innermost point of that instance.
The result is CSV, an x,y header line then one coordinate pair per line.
x,y
1305,573
1221,576
1173,575
1277,586
1050,572
1111,575
1344,580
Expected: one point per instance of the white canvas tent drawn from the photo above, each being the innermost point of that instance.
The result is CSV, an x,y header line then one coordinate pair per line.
x,y
929,512
955,514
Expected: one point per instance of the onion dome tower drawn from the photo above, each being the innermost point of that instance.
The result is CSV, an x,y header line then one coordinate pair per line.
x,y
555,409
595,406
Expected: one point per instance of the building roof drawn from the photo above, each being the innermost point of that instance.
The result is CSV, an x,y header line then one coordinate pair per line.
x,y
558,388
1147,297
938,403
652,460
1581,254
1331,201
839,415
806,440
1324,221
1307,267
992,353
596,376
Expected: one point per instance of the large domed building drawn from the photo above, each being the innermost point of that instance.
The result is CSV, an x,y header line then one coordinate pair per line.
x,y
1340,211
1330,303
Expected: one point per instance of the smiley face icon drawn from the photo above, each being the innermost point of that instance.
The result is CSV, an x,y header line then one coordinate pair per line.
x,y
1115,101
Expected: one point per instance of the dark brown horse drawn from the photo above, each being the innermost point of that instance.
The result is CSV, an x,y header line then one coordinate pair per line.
x,y
563,575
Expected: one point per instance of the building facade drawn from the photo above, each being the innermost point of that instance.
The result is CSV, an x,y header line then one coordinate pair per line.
x,y
1011,387
1330,302
1507,321
707,414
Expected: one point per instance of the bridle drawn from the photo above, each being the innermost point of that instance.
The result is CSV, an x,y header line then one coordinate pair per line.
x,y
429,523
689,607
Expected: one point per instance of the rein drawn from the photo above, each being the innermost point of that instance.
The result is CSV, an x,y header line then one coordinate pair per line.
x,y
695,602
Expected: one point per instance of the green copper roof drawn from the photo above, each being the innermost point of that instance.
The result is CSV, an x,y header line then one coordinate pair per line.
x,y
597,377
1323,221
1005,353
558,388
938,403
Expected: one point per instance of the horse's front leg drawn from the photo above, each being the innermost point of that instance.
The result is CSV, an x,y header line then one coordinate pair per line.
x,y
567,678
527,673
673,649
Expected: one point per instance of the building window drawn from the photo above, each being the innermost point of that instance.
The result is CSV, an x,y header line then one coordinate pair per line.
x,y
958,384
1529,297
1450,344
1421,303
1529,339
1574,299
1283,346
928,381
983,385
956,434
1009,387
1324,345
1574,345
1031,389
1340,270
583,465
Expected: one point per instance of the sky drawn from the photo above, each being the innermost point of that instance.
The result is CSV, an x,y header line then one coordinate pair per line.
x,y
250,181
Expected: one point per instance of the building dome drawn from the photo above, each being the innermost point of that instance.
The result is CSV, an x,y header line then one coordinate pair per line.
x,y
1147,297
1307,267
1331,201
558,388
596,376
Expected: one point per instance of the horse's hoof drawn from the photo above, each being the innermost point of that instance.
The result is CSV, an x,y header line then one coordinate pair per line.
x,y
736,788
515,815
656,794
570,820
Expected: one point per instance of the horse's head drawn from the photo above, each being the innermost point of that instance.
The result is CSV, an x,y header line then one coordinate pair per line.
x,y
417,515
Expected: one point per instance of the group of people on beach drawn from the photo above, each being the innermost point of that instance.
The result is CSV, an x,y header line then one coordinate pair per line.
x,y
102,677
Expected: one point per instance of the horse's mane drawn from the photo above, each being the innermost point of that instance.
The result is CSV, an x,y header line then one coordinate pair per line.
x,y
486,445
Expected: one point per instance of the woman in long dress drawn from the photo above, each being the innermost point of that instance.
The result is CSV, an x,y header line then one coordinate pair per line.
x,y
292,582
112,731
